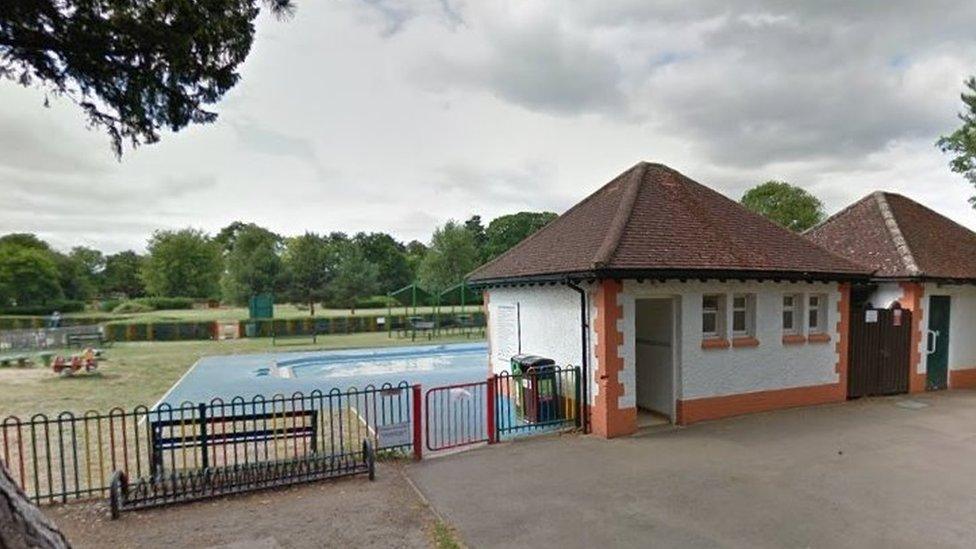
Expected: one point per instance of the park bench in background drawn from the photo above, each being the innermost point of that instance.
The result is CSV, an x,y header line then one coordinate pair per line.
x,y
90,336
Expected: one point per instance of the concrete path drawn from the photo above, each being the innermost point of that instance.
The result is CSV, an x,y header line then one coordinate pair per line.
x,y
891,472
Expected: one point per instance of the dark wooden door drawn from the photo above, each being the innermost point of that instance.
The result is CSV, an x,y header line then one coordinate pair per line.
x,y
937,363
880,352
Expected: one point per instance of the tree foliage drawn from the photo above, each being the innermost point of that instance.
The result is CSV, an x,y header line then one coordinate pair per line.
x,y
253,264
961,144
389,257
309,267
134,67
121,275
184,263
508,230
28,276
355,277
452,254
785,205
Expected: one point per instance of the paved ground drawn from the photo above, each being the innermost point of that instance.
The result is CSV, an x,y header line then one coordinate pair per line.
x,y
342,513
874,473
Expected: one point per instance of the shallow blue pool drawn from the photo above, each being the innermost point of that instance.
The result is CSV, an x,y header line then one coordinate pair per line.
x,y
267,374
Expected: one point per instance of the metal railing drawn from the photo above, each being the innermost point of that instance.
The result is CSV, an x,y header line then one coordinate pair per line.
x,y
503,406
71,456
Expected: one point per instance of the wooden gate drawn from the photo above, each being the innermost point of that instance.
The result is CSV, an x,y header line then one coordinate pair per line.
x,y
880,353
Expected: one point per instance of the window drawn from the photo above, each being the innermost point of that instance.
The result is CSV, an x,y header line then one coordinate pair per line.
x,y
713,316
791,312
816,314
743,315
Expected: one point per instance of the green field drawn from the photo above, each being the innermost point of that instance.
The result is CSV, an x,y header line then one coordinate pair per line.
x,y
240,313
140,373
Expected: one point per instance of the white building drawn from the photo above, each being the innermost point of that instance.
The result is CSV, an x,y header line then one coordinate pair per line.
x,y
676,302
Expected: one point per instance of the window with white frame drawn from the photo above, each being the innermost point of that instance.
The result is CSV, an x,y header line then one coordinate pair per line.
x,y
817,314
743,315
792,314
713,316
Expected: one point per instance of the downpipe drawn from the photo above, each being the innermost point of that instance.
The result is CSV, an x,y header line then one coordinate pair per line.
x,y
584,343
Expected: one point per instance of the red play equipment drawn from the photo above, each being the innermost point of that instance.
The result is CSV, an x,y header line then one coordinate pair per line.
x,y
66,367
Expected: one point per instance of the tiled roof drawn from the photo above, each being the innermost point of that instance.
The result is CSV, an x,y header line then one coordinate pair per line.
x,y
899,238
652,219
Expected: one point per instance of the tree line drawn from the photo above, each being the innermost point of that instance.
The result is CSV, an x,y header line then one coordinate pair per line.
x,y
244,259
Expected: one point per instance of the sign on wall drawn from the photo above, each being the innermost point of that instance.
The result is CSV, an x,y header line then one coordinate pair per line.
x,y
505,332
394,434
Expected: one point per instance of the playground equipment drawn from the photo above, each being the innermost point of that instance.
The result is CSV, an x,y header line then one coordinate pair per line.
x,y
413,296
87,360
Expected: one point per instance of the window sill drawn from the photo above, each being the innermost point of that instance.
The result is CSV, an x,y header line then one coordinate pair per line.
x,y
715,343
794,339
745,341
818,338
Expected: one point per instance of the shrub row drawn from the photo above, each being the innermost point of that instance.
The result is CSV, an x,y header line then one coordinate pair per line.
x,y
284,327
34,322
63,306
160,331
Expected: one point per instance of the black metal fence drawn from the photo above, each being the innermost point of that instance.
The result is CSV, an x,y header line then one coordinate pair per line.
x,y
71,456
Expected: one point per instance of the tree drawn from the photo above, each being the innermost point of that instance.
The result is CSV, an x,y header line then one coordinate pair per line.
x,y
253,264
508,230
90,266
416,250
25,240
22,524
134,67
962,142
477,229
785,205
355,277
452,254
389,257
184,263
121,275
28,276
308,268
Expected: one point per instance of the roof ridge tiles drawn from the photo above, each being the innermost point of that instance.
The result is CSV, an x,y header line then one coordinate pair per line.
x,y
897,238
618,225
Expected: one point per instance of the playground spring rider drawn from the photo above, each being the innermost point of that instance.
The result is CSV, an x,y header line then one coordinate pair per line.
x,y
66,367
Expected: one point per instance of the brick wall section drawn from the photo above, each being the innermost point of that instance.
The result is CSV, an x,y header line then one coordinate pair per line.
x,y
607,419
911,299
962,379
843,337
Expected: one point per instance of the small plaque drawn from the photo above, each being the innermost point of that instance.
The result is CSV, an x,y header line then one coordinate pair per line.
x,y
394,434
871,316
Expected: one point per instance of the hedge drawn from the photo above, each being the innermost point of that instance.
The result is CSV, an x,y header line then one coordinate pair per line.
x,y
160,331
33,322
63,306
166,303
342,324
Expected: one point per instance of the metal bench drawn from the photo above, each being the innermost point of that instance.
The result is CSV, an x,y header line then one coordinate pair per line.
x,y
86,339
173,434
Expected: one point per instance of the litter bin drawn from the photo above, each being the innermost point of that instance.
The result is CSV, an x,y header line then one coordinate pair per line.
x,y
251,329
535,398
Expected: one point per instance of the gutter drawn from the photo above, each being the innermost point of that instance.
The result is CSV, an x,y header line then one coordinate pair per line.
x,y
585,366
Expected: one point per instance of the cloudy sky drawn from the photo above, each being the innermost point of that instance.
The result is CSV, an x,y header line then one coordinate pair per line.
x,y
397,115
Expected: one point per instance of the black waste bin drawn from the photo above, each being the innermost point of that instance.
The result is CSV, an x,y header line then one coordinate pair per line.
x,y
536,398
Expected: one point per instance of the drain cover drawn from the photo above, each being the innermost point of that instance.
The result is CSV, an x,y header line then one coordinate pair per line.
x,y
911,404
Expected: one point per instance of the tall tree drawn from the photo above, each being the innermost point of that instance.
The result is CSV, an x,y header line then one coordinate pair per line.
x,y
253,264
308,269
452,254
508,230
785,205
355,277
477,229
415,252
28,276
184,263
134,67
91,265
961,144
121,275
389,257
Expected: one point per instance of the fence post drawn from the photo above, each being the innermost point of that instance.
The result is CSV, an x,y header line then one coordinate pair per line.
x,y
580,406
205,459
490,410
418,442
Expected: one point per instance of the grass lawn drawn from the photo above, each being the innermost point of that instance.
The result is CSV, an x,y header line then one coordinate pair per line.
x,y
140,373
240,313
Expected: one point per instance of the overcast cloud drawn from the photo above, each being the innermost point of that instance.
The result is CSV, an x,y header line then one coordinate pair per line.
x,y
397,115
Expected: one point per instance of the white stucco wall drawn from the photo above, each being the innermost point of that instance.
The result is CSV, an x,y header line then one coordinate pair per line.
x,y
714,372
549,323
885,294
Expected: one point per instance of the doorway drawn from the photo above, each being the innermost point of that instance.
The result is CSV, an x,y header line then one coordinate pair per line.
x,y
654,373
937,344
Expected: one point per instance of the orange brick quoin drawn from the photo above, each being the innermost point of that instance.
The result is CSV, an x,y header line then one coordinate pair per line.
x,y
911,299
607,420
702,409
962,379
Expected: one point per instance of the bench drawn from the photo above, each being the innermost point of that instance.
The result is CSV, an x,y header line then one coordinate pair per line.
x,y
210,482
86,339
20,360
418,324
202,433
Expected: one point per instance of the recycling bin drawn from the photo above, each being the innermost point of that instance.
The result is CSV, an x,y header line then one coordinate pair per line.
x,y
535,398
